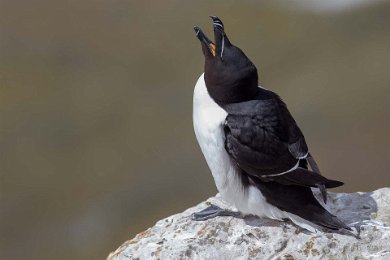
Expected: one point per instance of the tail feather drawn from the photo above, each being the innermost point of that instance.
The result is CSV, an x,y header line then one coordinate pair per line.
x,y
299,201
324,194
306,178
328,220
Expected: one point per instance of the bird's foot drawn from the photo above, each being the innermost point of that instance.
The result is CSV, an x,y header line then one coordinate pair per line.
x,y
213,211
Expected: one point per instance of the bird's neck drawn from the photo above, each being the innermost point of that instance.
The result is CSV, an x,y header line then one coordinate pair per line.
x,y
229,94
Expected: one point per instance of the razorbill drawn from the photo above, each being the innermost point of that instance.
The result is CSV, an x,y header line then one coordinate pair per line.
x,y
254,148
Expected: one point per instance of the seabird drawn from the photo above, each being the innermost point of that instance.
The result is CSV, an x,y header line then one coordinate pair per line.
x,y
254,148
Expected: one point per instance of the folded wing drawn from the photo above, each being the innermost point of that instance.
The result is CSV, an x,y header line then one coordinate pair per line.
x,y
264,140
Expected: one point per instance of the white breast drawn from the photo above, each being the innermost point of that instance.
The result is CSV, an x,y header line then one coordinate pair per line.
x,y
208,119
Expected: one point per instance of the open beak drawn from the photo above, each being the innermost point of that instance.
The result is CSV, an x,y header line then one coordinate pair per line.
x,y
210,48
205,41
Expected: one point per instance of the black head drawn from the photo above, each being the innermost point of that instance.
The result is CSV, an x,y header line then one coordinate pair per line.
x,y
229,75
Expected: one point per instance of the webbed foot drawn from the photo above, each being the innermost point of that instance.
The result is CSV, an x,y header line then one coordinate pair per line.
x,y
212,212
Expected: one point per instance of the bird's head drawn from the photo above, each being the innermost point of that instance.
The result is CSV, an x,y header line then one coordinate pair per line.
x,y
230,76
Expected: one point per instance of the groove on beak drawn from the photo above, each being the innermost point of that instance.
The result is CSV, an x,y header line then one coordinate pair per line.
x,y
219,35
217,22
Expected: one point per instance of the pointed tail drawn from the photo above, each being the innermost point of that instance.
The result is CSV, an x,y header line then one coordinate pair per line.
x,y
300,201
306,178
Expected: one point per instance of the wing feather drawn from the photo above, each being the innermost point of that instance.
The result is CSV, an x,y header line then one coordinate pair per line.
x,y
258,135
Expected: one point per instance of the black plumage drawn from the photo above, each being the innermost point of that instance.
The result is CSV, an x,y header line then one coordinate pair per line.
x,y
265,141
261,136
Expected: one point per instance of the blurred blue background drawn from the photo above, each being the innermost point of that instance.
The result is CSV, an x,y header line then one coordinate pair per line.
x,y
96,139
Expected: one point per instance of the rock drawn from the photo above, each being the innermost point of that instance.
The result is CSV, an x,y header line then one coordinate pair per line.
x,y
179,237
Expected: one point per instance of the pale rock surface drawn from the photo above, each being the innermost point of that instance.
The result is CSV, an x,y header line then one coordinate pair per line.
x,y
179,237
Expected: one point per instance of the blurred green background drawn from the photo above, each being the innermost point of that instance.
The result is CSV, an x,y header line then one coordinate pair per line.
x,y
96,139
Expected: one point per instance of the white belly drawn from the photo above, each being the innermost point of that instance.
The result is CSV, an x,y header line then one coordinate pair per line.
x,y
208,119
